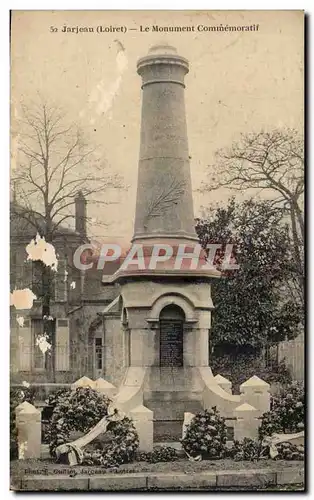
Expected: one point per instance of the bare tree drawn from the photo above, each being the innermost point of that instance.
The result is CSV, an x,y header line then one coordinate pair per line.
x,y
54,163
272,162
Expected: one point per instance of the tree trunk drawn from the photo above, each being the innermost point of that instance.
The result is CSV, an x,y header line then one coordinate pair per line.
x,y
48,324
47,288
296,248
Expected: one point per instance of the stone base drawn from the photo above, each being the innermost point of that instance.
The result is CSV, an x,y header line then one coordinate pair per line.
x,y
249,479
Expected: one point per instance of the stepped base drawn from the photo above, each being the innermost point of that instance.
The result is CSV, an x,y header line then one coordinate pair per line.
x,y
173,379
170,392
176,445
172,409
167,430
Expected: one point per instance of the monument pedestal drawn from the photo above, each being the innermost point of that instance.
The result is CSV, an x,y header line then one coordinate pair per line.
x,y
166,308
168,321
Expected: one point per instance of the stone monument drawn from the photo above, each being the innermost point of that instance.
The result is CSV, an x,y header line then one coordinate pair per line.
x,y
166,307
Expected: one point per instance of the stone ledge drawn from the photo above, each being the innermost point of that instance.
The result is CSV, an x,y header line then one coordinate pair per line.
x,y
259,478
181,481
55,483
290,476
114,482
211,480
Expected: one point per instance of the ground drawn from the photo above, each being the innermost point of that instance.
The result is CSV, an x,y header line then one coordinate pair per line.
x,y
47,466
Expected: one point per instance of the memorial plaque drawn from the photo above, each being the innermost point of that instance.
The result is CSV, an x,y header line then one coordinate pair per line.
x,y
171,343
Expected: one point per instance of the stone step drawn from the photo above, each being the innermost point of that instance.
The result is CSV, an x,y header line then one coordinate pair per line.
x,y
173,379
176,445
167,431
173,396
172,410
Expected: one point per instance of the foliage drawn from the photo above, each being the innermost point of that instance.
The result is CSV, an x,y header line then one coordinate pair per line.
x,y
253,304
241,367
286,413
47,412
159,454
289,451
52,401
272,161
17,396
248,449
206,435
119,446
77,410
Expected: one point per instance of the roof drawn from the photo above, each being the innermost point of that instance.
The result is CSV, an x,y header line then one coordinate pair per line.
x,y
25,226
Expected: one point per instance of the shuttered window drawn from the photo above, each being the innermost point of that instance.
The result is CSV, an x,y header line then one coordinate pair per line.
x,y
60,282
62,348
25,346
39,358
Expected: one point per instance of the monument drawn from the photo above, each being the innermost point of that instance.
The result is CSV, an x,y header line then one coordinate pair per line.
x,y
166,308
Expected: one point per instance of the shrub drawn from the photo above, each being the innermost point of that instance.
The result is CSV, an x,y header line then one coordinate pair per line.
x,y
53,399
47,412
289,451
286,413
119,446
77,410
159,454
248,449
242,368
206,435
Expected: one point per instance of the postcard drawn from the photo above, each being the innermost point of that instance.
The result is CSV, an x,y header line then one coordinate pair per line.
x,y
157,251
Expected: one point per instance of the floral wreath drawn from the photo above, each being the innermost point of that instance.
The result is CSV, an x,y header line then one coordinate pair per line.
x,y
82,410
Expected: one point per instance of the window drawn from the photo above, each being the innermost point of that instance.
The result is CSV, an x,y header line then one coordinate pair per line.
x,y
60,281
21,273
62,348
63,323
98,354
39,358
37,278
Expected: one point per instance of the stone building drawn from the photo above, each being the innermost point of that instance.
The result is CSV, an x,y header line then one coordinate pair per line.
x,y
76,300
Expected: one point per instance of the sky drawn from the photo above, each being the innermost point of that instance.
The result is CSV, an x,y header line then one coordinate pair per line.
x,y
239,82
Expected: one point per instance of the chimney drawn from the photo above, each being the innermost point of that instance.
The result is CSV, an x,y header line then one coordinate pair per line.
x,y
80,213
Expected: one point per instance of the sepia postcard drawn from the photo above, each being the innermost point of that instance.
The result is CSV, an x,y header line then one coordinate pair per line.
x,y
157,251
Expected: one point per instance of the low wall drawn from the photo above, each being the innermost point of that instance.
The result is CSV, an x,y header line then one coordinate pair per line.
x,y
41,391
242,411
130,394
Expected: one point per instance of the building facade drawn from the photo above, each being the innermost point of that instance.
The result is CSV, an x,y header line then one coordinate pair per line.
x,y
77,299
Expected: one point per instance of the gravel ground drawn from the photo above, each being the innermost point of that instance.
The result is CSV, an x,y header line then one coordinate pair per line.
x,y
47,467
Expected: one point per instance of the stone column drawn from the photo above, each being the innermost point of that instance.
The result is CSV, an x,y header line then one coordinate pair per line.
x,y
83,382
28,423
188,417
246,423
224,383
255,391
104,387
164,169
143,422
